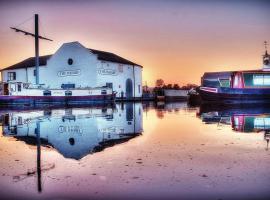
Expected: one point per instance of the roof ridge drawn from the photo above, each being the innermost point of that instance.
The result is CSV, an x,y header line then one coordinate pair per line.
x,y
101,55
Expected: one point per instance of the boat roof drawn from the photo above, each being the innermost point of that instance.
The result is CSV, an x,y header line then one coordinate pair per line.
x,y
226,74
210,75
101,55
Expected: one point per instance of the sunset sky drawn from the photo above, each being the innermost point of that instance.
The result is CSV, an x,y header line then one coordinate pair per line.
x,y
174,40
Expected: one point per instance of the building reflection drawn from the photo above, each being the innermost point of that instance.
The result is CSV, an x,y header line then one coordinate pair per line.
x,y
75,132
243,119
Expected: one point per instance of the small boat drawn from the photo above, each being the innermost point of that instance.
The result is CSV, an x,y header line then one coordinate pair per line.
x,y
17,93
250,86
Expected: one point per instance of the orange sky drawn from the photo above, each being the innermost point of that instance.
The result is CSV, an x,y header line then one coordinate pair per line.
x,y
174,40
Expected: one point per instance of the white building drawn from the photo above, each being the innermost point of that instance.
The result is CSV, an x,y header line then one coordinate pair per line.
x,y
74,66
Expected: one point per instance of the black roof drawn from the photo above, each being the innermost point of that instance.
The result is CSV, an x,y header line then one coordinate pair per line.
x,y
101,55
107,56
29,62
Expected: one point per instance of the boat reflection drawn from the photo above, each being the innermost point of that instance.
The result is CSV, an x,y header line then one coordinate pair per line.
x,y
75,132
245,119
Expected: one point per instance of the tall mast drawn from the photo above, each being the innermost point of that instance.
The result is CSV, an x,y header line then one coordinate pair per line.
x,y
37,37
36,49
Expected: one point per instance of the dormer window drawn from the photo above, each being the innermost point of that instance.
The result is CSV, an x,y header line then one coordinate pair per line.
x,y
70,61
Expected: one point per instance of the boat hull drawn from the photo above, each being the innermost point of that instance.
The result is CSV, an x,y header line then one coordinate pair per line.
x,y
55,100
235,95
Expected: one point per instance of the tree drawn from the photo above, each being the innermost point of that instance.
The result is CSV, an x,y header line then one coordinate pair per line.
x,y
176,86
159,83
189,86
169,86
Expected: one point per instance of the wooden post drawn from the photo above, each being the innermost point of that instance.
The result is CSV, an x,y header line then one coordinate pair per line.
x,y
37,49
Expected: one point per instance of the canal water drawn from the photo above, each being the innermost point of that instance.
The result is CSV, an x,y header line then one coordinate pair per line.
x,y
135,151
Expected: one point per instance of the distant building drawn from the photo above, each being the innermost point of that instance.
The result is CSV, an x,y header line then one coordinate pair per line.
x,y
74,66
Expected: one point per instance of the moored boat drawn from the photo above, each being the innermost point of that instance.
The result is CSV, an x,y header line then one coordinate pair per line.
x,y
17,93
250,86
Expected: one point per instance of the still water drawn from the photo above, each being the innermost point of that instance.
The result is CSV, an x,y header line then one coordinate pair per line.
x,y
135,151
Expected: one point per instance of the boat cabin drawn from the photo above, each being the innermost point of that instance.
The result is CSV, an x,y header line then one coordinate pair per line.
x,y
237,79
240,79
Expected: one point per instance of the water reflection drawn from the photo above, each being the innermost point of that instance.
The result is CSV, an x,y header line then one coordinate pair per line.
x,y
176,151
245,119
75,132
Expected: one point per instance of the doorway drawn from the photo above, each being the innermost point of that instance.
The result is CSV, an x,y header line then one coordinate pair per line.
x,y
129,88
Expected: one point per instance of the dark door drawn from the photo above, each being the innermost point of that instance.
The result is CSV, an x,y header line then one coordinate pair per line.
x,y
129,88
6,89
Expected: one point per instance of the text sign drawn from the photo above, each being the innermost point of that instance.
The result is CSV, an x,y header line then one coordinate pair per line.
x,y
69,73
70,129
107,71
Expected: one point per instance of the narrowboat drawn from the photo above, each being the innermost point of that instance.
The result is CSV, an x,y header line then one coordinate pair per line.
x,y
17,93
250,86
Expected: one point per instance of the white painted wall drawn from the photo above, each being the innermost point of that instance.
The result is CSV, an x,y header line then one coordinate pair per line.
x,y
83,62
118,77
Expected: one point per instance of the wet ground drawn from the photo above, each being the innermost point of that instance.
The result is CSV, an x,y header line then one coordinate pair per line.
x,y
135,151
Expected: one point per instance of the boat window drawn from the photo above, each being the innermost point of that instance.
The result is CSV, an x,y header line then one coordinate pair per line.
x,y
11,76
68,93
261,80
19,87
262,123
257,79
20,121
47,93
103,91
224,82
211,83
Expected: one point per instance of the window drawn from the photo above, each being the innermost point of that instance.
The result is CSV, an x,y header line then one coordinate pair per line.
x,y
68,93
109,85
19,87
103,91
70,61
35,72
226,82
262,123
266,79
20,121
11,76
68,86
47,93
261,80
